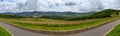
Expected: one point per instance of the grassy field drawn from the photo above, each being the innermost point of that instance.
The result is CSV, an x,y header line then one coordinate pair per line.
x,y
56,25
46,21
115,31
3,32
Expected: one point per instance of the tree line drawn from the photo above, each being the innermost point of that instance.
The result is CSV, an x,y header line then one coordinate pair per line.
x,y
101,14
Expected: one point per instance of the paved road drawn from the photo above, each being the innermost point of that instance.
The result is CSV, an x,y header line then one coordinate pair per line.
x,y
20,32
100,31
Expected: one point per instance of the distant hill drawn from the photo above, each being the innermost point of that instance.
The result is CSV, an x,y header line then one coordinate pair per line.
x,y
100,14
67,15
41,13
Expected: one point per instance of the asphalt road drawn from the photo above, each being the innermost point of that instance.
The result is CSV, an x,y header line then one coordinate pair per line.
x,y
100,31
20,32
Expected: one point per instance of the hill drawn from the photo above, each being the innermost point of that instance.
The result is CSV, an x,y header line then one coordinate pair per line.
x,y
49,15
66,15
40,13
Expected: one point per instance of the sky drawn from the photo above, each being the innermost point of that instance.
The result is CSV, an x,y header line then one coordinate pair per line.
x,y
57,5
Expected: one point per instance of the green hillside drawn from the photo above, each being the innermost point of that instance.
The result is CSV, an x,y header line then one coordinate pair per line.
x,y
50,24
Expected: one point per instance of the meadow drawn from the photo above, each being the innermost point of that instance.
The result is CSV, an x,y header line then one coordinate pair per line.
x,y
56,25
62,25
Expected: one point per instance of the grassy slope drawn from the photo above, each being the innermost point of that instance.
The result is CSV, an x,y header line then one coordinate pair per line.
x,y
57,27
115,31
3,32
46,21
61,27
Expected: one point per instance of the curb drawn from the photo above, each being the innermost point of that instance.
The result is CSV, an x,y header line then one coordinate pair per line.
x,y
110,30
7,30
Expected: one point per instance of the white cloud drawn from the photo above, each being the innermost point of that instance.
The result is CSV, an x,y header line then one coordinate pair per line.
x,y
58,5
111,3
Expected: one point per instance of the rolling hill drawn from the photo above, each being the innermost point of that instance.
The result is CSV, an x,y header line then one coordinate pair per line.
x,y
66,15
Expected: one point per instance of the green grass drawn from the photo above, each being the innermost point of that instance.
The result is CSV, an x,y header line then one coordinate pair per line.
x,y
115,31
3,32
63,27
56,27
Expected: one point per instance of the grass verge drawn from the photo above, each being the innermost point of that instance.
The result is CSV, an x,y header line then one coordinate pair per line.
x,y
115,31
4,32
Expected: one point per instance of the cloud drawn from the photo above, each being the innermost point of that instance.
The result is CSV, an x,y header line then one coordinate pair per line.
x,y
114,4
58,5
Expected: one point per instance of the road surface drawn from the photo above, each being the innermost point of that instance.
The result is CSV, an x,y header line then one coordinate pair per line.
x,y
20,32
100,31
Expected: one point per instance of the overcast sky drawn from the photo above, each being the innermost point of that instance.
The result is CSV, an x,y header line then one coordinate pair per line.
x,y
57,5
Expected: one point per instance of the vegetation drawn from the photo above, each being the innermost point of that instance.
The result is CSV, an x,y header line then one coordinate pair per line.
x,y
57,27
60,25
63,27
3,32
115,31
102,14
64,15
10,16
